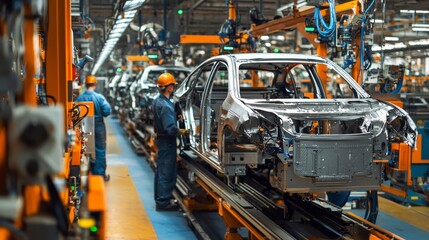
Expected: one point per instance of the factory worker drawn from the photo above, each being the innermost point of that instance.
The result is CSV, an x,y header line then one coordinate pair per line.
x,y
101,110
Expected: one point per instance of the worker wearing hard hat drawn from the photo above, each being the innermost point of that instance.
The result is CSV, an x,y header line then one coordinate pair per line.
x,y
101,109
166,130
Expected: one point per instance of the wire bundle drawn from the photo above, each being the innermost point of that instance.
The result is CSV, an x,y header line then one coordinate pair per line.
x,y
328,30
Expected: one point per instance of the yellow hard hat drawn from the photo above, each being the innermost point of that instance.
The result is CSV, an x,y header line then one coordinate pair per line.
x,y
90,79
166,79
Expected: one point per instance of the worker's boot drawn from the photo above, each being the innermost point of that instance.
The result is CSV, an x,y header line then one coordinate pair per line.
x,y
106,177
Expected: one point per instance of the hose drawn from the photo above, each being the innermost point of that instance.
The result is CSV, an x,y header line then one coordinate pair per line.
x,y
328,30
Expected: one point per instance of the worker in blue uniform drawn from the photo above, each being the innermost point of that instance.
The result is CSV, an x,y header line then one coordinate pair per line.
x,y
101,109
165,127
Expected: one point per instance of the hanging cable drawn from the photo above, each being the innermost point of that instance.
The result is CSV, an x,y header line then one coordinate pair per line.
x,y
328,30
364,21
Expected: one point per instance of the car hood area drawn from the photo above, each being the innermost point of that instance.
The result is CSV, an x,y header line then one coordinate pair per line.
x,y
336,116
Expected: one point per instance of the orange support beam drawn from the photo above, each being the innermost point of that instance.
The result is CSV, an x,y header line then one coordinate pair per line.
x,y
232,12
59,55
31,59
133,58
416,154
322,51
3,147
97,201
376,231
289,22
394,191
200,39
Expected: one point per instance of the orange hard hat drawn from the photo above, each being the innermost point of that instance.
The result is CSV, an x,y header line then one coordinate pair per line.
x,y
166,79
90,79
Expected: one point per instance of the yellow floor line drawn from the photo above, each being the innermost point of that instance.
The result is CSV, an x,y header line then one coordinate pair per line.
x,y
112,143
126,216
416,216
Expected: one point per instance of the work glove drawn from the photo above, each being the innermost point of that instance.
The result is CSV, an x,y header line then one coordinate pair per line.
x,y
183,132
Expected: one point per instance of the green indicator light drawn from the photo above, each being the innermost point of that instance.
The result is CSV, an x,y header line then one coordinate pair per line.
x,y
119,69
222,74
180,11
309,29
276,50
93,229
72,188
229,48
153,56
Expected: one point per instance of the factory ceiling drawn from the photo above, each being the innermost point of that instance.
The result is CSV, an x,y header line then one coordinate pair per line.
x,y
207,16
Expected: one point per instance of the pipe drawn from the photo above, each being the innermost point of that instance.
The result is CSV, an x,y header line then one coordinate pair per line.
x,y
164,21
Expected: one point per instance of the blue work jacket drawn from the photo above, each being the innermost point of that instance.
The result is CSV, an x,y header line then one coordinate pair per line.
x,y
101,106
165,118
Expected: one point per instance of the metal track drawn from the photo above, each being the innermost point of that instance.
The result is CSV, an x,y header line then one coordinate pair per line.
x,y
251,214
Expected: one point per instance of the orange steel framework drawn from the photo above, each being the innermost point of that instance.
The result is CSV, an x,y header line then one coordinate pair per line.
x,y
297,20
233,220
59,77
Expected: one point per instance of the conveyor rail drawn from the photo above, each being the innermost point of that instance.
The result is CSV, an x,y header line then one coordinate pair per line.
x,y
260,221
310,219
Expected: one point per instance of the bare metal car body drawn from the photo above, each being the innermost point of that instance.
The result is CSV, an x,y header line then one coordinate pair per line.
x,y
286,126
146,89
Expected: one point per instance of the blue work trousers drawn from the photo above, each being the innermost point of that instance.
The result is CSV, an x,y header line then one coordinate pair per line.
x,y
166,170
98,167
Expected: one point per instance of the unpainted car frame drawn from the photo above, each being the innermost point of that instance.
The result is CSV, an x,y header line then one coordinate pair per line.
x,y
144,90
308,140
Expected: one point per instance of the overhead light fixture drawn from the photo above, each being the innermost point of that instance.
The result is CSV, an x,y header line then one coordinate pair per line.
x,y
121,23
115,35
377,20
399,45
133,4
265,38
391,38
407,11
419,42
420,25
417,29
422,11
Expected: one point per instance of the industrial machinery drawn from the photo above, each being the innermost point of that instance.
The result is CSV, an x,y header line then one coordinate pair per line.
x,y
45,137
407,172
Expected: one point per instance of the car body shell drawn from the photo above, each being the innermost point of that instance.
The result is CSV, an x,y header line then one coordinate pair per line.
x,y
303,144
145,90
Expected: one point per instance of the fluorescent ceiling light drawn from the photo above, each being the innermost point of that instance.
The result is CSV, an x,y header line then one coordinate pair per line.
x,y
265,37
420,25
112,40
130,7
123,20
377,20
115,35
133,4
399,45
130,14
117,30
422,11
407,11
281,38
121,25
419,42
420,29
391,38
